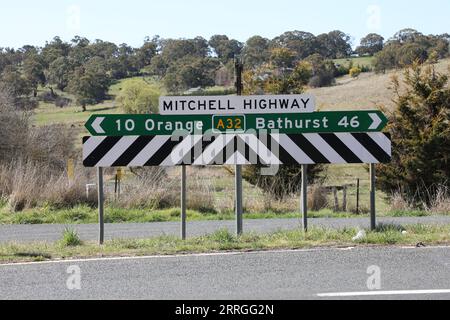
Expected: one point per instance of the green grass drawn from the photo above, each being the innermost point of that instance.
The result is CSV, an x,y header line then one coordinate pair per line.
x,y
48,113
70,238
84,214
223,240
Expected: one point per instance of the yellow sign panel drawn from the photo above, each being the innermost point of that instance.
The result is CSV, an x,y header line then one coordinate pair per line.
x,y
119,174
70,169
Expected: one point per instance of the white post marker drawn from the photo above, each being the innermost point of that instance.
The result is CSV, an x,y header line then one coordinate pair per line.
x,y
215,105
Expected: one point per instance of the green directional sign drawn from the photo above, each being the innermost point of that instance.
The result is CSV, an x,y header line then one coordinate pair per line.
x,y
290,123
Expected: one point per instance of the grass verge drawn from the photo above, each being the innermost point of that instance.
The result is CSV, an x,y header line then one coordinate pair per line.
x,y
84,214
223,241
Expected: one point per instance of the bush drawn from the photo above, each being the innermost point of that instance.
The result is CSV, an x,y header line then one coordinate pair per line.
x,y
62,102
286,182
70,238
30,184
355,72
15,128
317,198
323,73
51,146
420,136
138,97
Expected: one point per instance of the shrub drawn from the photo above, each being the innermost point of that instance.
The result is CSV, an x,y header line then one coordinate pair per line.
x,y
138,97
70,238
317,198
30,184
286,182
355,72
14,128
420,136
62,102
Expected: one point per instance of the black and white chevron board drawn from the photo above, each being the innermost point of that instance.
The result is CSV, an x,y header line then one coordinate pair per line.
x,y
236,149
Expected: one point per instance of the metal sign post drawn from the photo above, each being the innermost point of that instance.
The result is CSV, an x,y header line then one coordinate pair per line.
x,y
183,202
238,169
304,197
101,200
373,222
237,130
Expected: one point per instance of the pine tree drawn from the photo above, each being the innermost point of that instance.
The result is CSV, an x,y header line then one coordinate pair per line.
x,y
420,135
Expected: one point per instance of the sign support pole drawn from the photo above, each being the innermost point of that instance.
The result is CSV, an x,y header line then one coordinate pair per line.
x,y
238,170
183,202
239,223
101,199
373,222
304,197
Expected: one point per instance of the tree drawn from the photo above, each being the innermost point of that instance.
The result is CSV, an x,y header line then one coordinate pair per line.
x,y
323,71
81,51
90,82
33,70
406,35
59,72
370,44
174,50
158,66
54,50
291,82
387,58
225,48
123,64
282,58
302,43
138,97
256,51
410,53
16,84
191,72
335,44
145,54
420,135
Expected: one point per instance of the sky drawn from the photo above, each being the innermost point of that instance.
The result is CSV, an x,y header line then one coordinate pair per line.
x,y
35,22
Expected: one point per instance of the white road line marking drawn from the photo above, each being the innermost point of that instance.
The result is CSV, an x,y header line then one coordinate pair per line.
x,y
382,293
170,256
202,255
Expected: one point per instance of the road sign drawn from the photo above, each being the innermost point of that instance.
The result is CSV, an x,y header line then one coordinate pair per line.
x,y
214,105
236,149
147,124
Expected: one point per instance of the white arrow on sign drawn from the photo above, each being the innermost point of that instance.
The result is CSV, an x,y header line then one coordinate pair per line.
x,y
376,121
96,125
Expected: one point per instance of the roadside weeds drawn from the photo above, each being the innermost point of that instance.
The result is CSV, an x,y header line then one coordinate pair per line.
x,y
223,241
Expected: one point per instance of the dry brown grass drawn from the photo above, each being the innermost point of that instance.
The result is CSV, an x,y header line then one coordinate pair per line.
x,y
317,198
439,203
368,91
400,203
158,189
29,184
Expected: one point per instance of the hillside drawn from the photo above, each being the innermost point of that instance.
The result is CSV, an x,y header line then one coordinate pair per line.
x,y
368,91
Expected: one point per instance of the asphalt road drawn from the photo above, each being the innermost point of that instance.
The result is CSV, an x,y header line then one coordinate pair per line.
x,y
294,275
24,233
